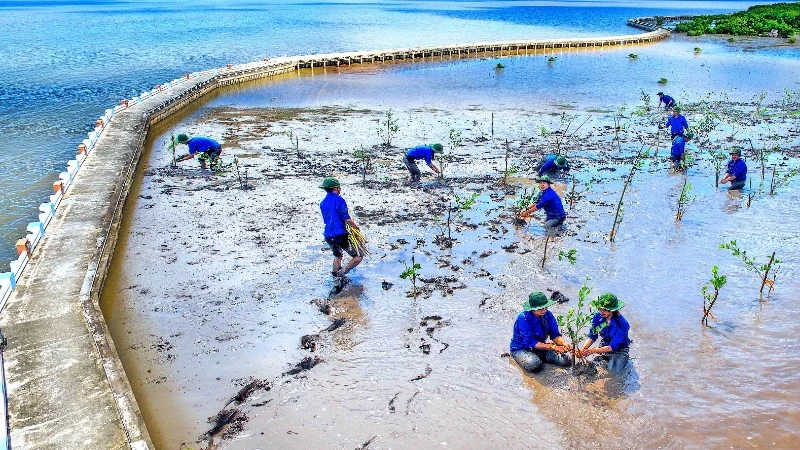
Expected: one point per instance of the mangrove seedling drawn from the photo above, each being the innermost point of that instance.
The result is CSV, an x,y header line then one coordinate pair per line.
x,y
620,211
619,125
446,158
562,134
357,240
172,144
388,128
499,66
463,204
633,56
793,39
508,170
551,59
526,200
492,126
662,81
718,159
779,180
294,139
244,183
645,98
575,320
571,255
364,158
574,195
411,272
717,281
766,272
685,200
697,50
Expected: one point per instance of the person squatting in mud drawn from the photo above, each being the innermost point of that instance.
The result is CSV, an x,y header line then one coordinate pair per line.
x,y
676,123
553,165
612,328
335,215
208,149
425,152
668,101
736,173
552,205
678,151
534,325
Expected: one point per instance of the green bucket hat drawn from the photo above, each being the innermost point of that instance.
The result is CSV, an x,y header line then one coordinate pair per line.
x,y
329,183
677,109
544,178
609,302
660,93
437,148
536,300
736,151
560,161
182,138
688,135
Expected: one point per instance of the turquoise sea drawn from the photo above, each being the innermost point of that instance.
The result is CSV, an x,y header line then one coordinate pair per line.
x,y
62,63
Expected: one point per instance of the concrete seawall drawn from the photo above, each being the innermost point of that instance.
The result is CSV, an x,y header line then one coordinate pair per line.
x,y
67,387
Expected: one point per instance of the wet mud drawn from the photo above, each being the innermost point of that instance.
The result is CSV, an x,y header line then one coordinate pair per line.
x,y
231,313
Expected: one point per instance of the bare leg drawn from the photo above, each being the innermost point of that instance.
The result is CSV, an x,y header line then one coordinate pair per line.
x,y
337,265
352,264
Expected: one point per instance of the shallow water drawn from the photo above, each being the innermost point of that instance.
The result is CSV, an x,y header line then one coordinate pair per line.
x,y
63,63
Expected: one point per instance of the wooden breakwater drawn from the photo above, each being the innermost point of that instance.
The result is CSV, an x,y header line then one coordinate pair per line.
x,y
67,387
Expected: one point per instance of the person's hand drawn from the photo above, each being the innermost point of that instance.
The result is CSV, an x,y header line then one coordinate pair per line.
x,y
660,126
584,352
182,158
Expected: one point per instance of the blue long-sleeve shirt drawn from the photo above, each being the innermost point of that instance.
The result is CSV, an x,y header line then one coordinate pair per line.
x,y
668,101
200,144
421,152
552,205
738,169
613,333
334,214
678,146
551,166
677,124
529,329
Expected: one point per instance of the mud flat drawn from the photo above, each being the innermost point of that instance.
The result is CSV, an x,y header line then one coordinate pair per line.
x,y
219,299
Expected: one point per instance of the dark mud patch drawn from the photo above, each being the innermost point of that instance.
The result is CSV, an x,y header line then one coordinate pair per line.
x,y
306,364
428,371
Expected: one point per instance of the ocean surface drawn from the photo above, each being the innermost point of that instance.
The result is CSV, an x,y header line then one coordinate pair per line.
x,y
62,63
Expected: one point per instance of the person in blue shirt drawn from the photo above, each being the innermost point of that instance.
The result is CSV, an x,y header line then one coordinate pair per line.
x,y
678,153
612,329
425,152
668,101
208,149
737,171
534,326
551,203
677,123
335,215
553,164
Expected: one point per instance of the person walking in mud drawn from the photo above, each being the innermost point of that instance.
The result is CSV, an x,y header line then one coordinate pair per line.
x,y
612,329
736,173
553,164
425,152
208,149
668,101
335,215
551,203
678,151
676,123
534,326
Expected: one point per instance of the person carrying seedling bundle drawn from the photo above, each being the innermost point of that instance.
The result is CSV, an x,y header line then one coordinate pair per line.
x,y
554,164
678,153
668,101
208,149
676,123
337,218
534,325
737,171
425,152
551,203
612,328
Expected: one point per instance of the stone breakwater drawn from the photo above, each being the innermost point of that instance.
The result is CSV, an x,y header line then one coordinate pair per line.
x,y
66,385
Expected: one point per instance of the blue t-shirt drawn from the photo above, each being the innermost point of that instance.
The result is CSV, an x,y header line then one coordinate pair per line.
x,y
529,329
614,333
334,214
551,166
678,145
551,203
200,144
667,100
421,152
738,169
677,124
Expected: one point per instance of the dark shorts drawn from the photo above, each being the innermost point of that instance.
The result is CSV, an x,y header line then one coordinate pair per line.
x,y
212,152
339,243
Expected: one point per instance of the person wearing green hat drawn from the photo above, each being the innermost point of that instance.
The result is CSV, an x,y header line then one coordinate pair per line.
x,y
425,152
335,215
208,149
612,329
550,202
534,326
678,153
676,123
668,101
736,173
553,164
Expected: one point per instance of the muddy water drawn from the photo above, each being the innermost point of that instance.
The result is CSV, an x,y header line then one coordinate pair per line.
x,y
215,286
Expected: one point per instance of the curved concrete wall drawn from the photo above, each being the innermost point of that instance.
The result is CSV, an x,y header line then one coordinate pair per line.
x,y
79,396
